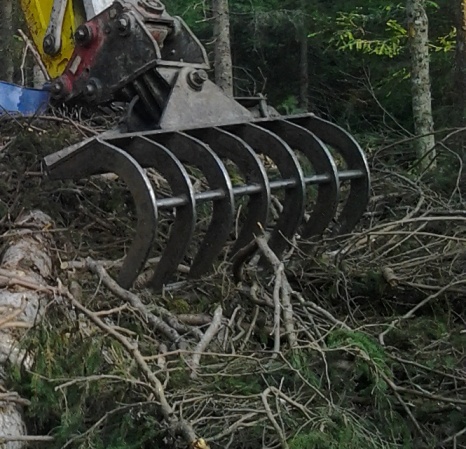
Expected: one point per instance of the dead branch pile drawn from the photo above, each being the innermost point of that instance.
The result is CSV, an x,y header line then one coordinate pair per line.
x,y
355,342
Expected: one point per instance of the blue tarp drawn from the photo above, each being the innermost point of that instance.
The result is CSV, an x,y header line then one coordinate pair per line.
x,y
22,100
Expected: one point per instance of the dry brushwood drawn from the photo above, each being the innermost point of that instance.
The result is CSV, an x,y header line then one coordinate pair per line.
x,y
292,353
177,426
281,297
156,322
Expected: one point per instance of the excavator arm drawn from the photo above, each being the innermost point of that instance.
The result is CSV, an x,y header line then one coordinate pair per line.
x,y
52,24
99,51
134,51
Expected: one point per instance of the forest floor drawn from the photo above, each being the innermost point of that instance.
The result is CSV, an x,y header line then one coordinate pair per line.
x,y
369,351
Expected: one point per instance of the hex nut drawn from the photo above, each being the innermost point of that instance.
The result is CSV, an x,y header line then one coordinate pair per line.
x,y
83,35
92,90
123,24
57,89
197,78
49,44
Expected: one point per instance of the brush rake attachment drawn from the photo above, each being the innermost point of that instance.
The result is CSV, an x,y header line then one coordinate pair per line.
x,y
128,155
178,119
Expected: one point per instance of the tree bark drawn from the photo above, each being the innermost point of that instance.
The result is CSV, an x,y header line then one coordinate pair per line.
x,y
460,61
6,33
303,60
222,51
303,70
25,266
418,40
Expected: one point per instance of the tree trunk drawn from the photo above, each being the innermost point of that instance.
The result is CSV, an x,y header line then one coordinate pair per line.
x,y
303,60
25,266
222,50
460,61
303,70
418,40
6,33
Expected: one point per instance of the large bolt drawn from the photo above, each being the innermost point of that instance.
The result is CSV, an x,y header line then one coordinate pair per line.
x,y
152,6
124,24
83,35
57,89
197,78
92,89
49,45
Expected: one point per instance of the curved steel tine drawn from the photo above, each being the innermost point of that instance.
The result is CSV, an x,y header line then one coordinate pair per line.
x,y
229,146
95,157
266,142
317,153
354,158
151,154
195,152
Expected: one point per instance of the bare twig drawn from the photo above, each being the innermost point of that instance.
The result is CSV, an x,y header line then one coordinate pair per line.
x,y
158,324
282,296
30,46
453,437
276,426
14,397
250,329
206,339
10,278
412,311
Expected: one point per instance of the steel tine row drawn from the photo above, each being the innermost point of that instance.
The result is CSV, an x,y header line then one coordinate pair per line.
x,y
95,157
171,152
304,141
229,146
152,154
265,142
357,169
192,151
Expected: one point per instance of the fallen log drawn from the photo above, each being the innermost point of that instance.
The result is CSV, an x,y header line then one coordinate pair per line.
x,y
25,268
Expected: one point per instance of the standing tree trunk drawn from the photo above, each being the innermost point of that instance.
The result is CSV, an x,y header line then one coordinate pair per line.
x,y
222,63
303,70
460,61
303,60
418,40
6,33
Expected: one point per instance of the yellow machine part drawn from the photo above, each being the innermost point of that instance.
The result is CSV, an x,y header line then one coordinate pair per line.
x,y
37,14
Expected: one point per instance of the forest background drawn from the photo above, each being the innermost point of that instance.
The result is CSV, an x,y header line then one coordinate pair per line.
x,y
380,359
